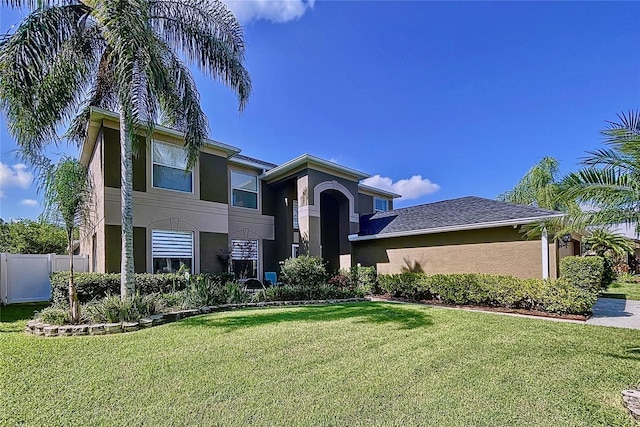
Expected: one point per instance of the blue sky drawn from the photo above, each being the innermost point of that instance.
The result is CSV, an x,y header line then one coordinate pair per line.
x,y
440,99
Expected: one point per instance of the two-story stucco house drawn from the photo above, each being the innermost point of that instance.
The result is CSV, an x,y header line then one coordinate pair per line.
x,y
246,215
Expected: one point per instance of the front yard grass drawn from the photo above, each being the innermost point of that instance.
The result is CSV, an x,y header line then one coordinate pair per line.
x,y
348,364
623,291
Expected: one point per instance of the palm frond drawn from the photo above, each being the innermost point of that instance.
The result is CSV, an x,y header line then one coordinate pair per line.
x,y
209,36
44,67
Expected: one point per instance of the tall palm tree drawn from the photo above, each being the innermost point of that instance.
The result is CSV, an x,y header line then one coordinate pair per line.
x,y
67,193
610,179
122,55
540,187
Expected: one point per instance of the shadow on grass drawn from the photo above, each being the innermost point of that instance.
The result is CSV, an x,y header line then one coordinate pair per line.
x,y
13,317
377,313
631,353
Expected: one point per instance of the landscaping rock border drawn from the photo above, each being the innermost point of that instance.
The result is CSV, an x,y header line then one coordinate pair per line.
x,y
631,400
40,329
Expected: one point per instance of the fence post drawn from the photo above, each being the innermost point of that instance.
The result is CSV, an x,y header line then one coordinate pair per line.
x,y
4,289
52,262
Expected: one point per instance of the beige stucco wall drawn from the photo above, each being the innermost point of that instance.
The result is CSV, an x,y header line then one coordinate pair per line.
x,y
492,251
95,224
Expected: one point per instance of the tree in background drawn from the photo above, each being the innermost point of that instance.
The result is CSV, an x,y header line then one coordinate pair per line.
x,y
609,182
68,56
605,242
32,237
540,187
67,191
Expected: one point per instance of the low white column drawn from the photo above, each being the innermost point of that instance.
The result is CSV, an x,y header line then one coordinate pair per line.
x,y
545,254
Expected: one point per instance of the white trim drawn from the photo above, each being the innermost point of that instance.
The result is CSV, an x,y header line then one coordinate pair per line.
x,y
376,191
545,253
314,210
492,224
313,160
100,113
263,168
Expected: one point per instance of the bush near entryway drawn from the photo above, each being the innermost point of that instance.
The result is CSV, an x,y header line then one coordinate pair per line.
x,y
584,272
554,296
91,286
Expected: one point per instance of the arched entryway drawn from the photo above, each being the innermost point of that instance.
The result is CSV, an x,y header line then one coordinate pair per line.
x,y
334,228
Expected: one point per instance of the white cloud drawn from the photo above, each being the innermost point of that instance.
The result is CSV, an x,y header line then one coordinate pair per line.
x,y
29,202
411,188
270,10
15,176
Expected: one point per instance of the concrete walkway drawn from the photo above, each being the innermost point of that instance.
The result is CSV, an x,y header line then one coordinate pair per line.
x,y
618,313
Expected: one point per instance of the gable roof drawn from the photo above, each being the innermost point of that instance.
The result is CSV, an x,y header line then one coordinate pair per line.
x,y
307,160
465,213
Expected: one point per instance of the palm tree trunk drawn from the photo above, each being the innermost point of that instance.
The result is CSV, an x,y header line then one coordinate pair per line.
x,y
127,278
73,296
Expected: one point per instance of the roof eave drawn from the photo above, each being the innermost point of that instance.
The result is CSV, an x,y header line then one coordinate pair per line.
x,y
307,159
378,191
98,114
464,227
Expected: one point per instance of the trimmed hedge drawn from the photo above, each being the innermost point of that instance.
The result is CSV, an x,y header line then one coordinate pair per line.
x,y
297,293
555,296
90,286
584,272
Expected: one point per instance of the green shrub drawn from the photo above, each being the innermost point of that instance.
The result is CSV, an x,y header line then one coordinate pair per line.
x,y
363,278
403,285
112,308
304,271
557,296
561,296
95,286
54,315
584,272
298,293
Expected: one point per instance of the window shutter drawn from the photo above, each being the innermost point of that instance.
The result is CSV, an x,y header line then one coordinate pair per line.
x,y
172,244
244,249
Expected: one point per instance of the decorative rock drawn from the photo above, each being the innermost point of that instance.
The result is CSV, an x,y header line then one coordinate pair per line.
x,y
631,400
145,322
113,328
158,319
97,329
50,330
192,312
65,331
205,310
130,326
78,330
170,317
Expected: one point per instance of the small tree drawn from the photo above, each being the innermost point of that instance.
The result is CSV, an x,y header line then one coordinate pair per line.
x,y
67,191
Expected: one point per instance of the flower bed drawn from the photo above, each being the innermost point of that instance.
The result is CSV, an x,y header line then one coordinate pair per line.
x,y
47,330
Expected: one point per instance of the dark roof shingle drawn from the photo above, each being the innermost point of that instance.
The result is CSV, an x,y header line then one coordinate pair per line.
x,y
461,212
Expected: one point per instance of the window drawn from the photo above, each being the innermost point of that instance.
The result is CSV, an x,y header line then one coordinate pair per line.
x,y
380,205
295,215
244,259
295,250
171,250
169,164
244,189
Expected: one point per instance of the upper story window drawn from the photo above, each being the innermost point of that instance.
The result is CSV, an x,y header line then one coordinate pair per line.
x,y
244,190
169,164
381,205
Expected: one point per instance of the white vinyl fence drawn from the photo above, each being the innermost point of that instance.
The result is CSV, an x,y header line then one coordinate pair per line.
x,y
25,278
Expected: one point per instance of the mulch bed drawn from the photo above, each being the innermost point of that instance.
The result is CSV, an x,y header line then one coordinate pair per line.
x,y
538,313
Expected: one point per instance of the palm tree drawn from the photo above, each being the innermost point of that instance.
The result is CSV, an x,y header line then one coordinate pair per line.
x,y
67,191
603,242
610,179
67,56
540,187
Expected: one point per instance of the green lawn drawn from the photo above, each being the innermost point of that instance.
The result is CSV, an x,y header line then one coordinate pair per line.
x,y
623,291
350,364
14,317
